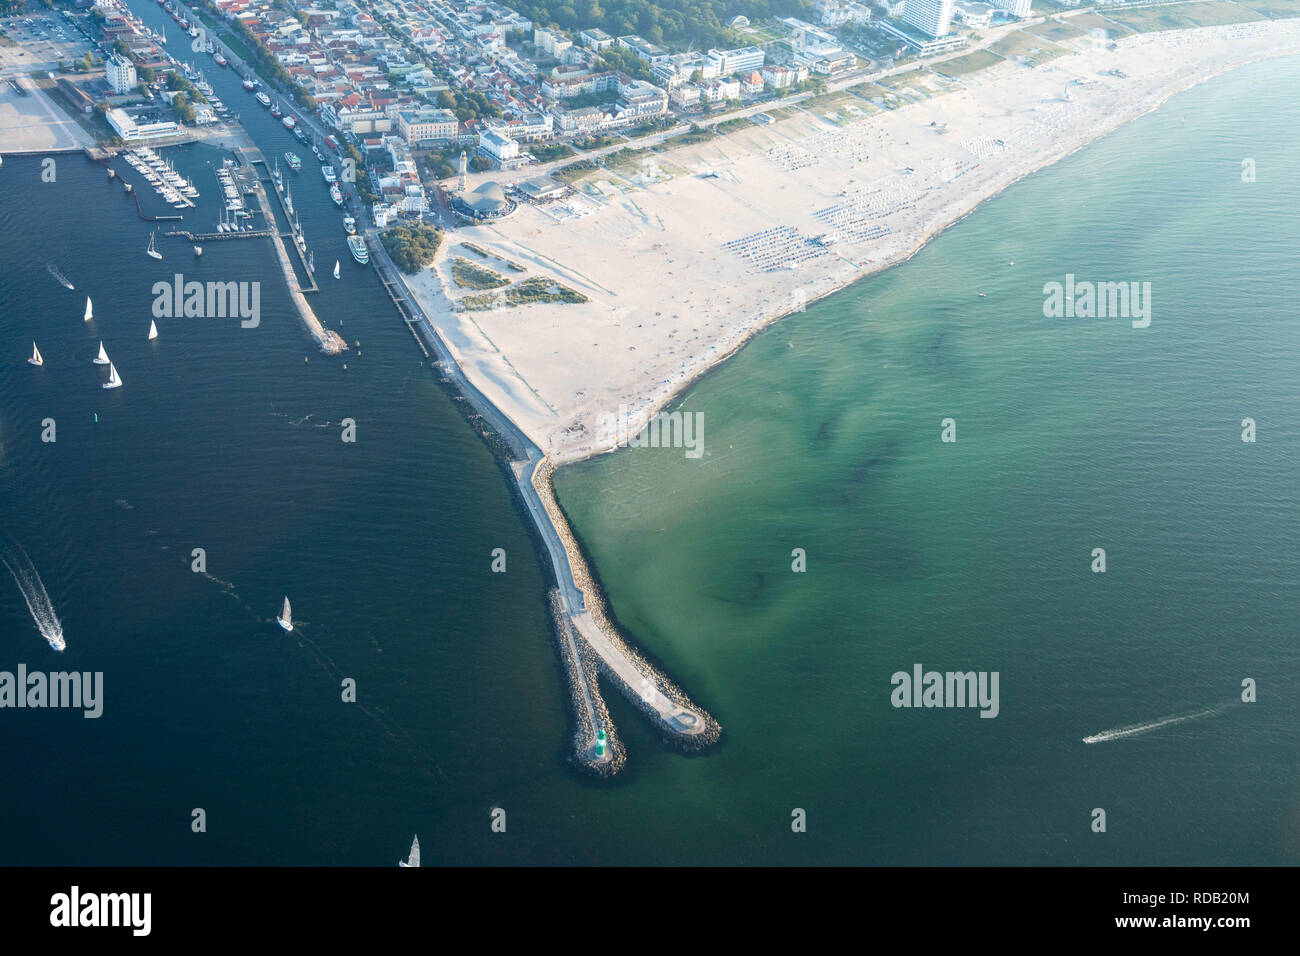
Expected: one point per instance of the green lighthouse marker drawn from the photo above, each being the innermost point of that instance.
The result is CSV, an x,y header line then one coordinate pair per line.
x,y
600,744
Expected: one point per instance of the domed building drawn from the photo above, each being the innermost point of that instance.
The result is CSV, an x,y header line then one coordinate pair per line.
x,y
486,203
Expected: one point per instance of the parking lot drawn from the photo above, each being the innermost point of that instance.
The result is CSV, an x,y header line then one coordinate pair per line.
x,y
39,42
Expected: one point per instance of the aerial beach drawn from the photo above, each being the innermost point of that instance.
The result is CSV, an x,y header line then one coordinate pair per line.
x,y
494,617
669,298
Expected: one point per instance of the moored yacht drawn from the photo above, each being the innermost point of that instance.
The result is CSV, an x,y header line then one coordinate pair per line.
x,y
357,246
263,99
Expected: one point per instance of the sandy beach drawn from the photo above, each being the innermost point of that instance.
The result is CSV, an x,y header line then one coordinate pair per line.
x,y
686,257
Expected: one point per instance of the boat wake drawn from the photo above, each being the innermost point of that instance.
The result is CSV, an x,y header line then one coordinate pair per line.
x,y
63,280
17,563
390,726
1135,729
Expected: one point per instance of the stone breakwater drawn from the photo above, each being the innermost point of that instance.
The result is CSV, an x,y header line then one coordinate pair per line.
x,y
705,731
590,713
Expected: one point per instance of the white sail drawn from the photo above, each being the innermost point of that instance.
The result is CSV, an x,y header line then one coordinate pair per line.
x,y
114,380
151,250
88,309
414,858
336,268
36,356
285,620
102,357
153,330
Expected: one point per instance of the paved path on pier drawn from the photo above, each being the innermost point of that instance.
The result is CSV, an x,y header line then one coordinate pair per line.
x,y
681,720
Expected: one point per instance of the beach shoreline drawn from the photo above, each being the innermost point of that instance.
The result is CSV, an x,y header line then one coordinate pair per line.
x,y
557,403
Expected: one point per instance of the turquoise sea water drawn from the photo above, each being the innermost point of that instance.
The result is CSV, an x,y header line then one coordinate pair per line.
x,y
822,434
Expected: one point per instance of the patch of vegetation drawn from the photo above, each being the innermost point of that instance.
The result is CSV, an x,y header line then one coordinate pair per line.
x,y
625,61
469,275
1055,29
666,22
531,291
549,153
483,253
697,134
1095,21
1274,9
731,125
1022,43
652,127
970,63
1216,13
596,141
571,173
411,247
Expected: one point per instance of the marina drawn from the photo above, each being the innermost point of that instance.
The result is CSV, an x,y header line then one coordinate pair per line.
x,y
161,174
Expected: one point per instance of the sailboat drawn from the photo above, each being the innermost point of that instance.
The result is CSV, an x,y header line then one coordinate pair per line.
x,y
336,268
151,250
414,858
153,330
198,250
88,310
36,356
102,357
114,380
284,620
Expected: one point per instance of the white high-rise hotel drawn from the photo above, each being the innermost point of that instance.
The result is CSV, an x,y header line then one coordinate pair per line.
x,y
1017,8
932,17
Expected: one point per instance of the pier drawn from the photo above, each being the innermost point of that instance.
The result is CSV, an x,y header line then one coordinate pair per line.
x,y
222,236
397,292
331,343
586,638
254,160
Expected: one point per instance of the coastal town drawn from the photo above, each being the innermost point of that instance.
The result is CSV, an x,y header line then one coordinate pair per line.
x,y
412,85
